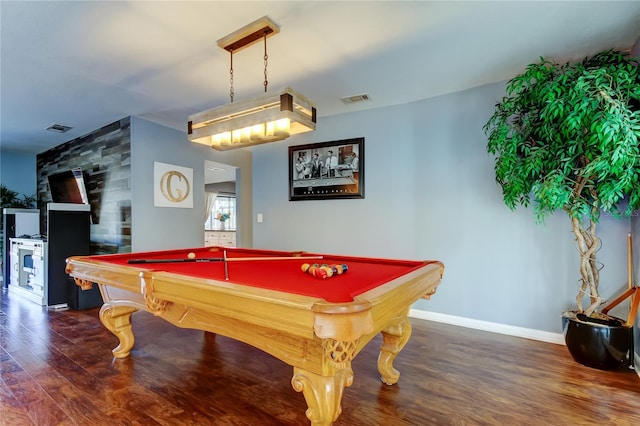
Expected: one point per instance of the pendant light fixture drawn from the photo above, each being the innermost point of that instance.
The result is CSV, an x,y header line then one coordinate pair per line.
x,y
267,118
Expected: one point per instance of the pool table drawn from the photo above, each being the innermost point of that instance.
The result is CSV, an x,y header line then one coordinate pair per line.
x,y
263,298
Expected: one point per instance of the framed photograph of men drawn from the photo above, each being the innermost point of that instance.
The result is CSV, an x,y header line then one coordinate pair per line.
x,y
327,170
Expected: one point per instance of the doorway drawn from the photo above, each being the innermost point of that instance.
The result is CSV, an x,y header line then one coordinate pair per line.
x,y
221,226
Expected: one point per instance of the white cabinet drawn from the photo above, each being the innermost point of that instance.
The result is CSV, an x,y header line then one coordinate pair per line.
x,y
29,269
220,238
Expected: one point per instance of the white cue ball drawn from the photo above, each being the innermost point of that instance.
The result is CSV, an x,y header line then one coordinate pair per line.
x,y
191,255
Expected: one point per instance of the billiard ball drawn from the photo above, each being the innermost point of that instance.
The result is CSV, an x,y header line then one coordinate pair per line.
x,y
312,270
191,255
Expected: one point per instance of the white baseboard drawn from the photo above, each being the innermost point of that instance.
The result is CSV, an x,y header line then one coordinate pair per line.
x,y
493,327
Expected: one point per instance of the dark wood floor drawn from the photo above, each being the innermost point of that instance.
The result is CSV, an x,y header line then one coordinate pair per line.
x,y
56,369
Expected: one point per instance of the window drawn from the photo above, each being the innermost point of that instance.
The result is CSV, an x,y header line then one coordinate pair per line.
x,y
224,204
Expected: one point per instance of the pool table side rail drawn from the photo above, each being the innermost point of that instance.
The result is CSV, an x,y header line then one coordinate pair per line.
x,y
392,301
86,269
385,305
290,313
296,314
415,285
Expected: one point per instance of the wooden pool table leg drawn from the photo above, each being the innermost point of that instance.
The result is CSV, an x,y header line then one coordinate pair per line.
x,y
118,320
322,393
394,337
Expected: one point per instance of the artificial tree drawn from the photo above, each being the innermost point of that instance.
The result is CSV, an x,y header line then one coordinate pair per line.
x,y
10,198
566,137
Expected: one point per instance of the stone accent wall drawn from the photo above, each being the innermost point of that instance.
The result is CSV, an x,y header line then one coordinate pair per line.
x,y
105,158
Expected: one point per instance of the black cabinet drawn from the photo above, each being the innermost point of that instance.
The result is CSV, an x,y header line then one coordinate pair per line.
x,y
68,235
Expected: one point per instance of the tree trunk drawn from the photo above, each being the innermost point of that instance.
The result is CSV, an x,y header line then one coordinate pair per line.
x,y
587,243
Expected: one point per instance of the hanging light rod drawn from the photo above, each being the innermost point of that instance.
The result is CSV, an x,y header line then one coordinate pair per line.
x,y
267,118
249,34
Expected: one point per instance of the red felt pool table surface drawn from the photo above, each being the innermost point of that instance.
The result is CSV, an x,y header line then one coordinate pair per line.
x,y
285,275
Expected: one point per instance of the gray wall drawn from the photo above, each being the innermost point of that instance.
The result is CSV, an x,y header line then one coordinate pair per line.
x,y
158,228
431,194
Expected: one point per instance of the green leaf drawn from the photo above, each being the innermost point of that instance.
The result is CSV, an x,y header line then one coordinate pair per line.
x,y
560,124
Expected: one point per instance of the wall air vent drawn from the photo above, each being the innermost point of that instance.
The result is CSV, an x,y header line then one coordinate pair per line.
x,y
355,98
59,128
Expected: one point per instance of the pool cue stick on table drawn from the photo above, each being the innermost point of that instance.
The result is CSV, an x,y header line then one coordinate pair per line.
x,y
202,259
222,259
226,269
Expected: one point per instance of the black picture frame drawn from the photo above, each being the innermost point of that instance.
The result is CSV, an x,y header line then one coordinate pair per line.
x,y
342,178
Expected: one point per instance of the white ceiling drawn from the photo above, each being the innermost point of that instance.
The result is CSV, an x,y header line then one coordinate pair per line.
x,y
86,64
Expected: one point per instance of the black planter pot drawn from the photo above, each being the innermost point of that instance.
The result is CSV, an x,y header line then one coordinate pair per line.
x,y
603,345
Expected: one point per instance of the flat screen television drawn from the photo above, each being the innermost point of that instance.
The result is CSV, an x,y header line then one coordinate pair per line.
x,y
68,187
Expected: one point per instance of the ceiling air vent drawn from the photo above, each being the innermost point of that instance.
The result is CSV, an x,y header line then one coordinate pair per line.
x,y
59,128
355,98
